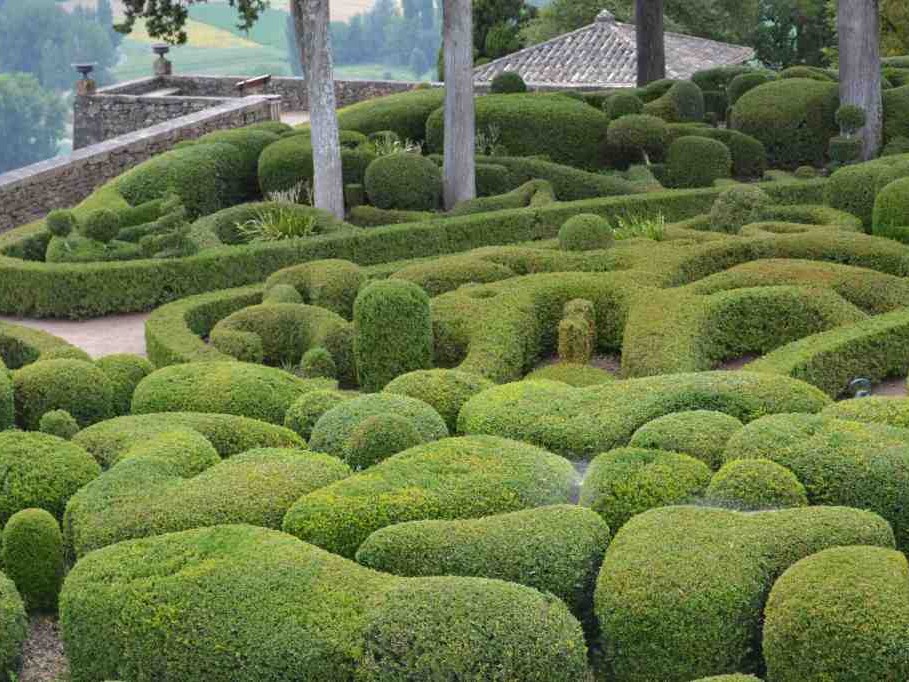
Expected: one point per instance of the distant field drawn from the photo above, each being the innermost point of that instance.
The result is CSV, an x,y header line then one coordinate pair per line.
x,y
199,34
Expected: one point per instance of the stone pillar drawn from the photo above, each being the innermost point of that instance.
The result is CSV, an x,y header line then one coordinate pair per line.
x,y
163,66
86,85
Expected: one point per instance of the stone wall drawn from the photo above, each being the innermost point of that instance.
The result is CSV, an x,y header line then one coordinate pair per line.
x,y
31,192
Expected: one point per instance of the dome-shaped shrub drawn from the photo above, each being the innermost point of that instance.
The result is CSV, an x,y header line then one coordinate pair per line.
x,y
507,82
379,437
59,423
392,332
101,225
334,428
317,363
639,135
698,161
738,206
571,374
13,625
623,483
700,433
891,211
585,232
682,103
124,371
754,484
745,82
282,293
850,118
303,414
60,223
623,104
445,390
33,557
404,181
76,386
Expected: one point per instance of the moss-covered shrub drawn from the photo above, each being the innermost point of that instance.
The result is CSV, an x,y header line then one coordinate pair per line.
x,y
694,161
700,433
13,627
507,82
639,136
403,181
585,232
76,386
681,591
447,274
234,388
839,614
738,206
59,423
392,332
60,223
891,211
331,284
578,376
451,479
623,483
124,371
377,438
404,114
577,332
683,102
302,415
755,484
317,363
445,390
33,557
623,104
41,471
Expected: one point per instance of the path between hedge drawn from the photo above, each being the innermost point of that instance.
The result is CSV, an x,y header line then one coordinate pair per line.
x,y
97,337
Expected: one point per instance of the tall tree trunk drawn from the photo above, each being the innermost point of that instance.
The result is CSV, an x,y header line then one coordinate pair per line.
x,y
649,26
859,26
460,114
312,16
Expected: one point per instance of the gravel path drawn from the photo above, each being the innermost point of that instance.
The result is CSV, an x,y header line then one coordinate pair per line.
x,y
43,659
98,337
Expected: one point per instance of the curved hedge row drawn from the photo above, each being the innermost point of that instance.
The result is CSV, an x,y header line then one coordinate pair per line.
x,y
20,346
445,390
331,284
455,478
703,434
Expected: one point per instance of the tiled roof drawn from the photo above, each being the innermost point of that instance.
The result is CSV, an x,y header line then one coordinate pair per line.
x,y
604,55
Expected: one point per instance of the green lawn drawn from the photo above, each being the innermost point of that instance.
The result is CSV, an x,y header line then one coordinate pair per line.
x,y
269,30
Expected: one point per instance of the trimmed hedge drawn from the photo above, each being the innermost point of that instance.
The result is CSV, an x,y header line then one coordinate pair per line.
x,y
404,114
891,211
407,182
698,162
839,614
581,422
445,390
623,483
377,438
755,484
681,590
569,184
250,142
508,82
13,627
738,206
555,549
7,401
59,423
302,415
124,372
41,471
578,376
854,188
331,284
872,410
702,434
76,386
442,275
683,102
749,157
32,557
225,224
21,346
585,232
288,163
455,478
235,388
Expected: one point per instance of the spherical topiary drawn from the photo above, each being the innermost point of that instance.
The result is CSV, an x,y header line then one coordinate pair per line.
x,y
507,82
844,150
891,209
59,423
683,102
623,104
60,223
377,438
754,484
850,118
585,232
392,332
738,206
76,386
282,293
303,414
101,225
404,181
317,362
639,134
446,390
700,433
33,557
698,162
124,371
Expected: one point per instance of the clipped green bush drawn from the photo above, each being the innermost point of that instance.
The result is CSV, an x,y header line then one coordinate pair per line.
x,y
226,224
282,293
844,150
13,627
445,390
850,118
250,142
59,423
288,164
578,376
450,479
703,434
392,332
683,102
585,232
76,386
60,223
507,82
404,114
623,104
755,484
745,82
377,438
331,283
855,188
306,410
317,363
639,135
101,225
738,206
694,161
32,556
891,211
623,483
124,371
404,181
447,274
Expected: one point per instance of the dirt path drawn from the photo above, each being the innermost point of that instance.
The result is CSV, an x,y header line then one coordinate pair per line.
x,y
98,337
43,659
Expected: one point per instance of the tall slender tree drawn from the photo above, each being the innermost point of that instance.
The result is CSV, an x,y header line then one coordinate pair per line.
x,y
650,29
460,113
859,28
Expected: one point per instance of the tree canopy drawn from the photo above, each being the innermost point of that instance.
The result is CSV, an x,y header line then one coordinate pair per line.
x,y
32,120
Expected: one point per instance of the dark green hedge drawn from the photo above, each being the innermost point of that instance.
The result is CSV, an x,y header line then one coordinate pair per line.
x,y
445,390
755,484
13,627
441,275
21,346
76,386
32,557
404,113
700,433
331,284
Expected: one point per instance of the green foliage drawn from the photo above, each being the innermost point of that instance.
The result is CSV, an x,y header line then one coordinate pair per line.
x,y
745,82
698,162
101,225
124,372
683,102
623,104
448,273
408,182
35,117
60,223
13,627
449,479
404,114
508,82
377,438
76,386
33,557
844,150
318,363
755,484
59,423
288,164
392,332
738,206
623,483
577,332
749,157
891,211
250,142
700,433
850,118
585,232
282,293
226,224
445,390
570,184
854,189
302,415
643,135
570,374
331,284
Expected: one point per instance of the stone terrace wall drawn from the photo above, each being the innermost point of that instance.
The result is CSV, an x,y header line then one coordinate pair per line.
x,y
31,192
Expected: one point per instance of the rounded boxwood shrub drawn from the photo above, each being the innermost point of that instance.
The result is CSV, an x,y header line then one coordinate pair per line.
x,y
623,104
891,211
854,188
694,161
282,293
332,283
445,390
288,164
102,225
306,410
13,627
405,114
317,363
682,103
250,143
585,232
700,433
447,274
33,557
745,82
839,615
507,82
76,386
124,371
235,388
60,223
379,437
755,484
738,206
571,374
335,427
59,423
639,135
555,549
454,478
404,181
623,483
41,471
850,118
392,332
422,631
